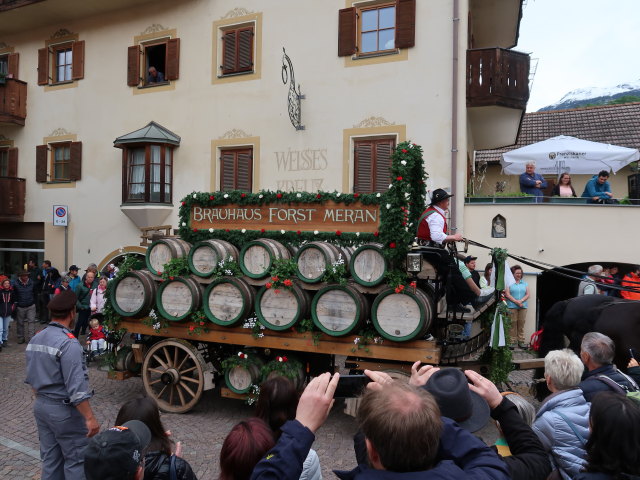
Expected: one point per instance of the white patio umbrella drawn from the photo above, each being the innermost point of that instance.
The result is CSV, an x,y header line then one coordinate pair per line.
x,y
568,154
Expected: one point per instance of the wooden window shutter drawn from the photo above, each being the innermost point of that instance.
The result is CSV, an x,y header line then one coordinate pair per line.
x,y
42,153
405,23
245,170
14,61
245,49
12,170
43,66
382,174
77,65
133,66
173,59
75,161
229,52
347,32
227,170
363,167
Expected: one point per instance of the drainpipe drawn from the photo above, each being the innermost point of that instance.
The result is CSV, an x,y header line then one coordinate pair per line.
x,y
454,114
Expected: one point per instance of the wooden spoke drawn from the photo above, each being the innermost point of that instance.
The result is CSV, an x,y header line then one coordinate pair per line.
x,y
173,374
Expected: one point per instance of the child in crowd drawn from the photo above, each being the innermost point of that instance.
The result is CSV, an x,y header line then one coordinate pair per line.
x,y
64,285
97,338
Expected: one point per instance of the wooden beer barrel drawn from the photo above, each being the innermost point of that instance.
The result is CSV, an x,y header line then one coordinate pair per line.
x,y
178,298
162,251
257,257
240,378
204,256
280,309
228,301
298,376
368,265
134,293
402,316
314,258
339,310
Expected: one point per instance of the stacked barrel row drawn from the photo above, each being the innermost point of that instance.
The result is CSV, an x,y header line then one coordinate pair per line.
x,y
337,310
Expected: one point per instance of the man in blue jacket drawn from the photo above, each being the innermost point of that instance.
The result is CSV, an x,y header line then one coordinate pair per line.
x,y
405,435
598,190
531,182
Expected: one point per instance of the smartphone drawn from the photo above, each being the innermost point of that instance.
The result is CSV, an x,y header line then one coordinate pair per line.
x,y
633,353
350,386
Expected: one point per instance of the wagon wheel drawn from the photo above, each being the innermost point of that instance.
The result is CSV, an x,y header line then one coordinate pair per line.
x,y
172,373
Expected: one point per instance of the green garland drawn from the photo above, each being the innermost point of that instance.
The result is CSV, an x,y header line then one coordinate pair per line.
x,y
287,367
111,317
176,267
501,359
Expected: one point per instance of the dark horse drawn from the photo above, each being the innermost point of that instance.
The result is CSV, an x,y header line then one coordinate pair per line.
x,y
617,318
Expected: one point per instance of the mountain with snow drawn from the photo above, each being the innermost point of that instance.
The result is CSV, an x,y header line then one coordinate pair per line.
x,y
594,95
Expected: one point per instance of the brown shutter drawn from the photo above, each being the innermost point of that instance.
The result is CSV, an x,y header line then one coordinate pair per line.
x,y
173,59
43,66
245,170
227,170
75,161
346,32
12,170
14,61
42,153
77,60
229,52
133,66
245,50
382,174
405,23
363,167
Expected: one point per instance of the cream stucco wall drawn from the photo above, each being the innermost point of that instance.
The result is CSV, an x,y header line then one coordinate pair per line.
x,y
413,94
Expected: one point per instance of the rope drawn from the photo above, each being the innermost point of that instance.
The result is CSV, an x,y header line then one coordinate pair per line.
x,y
558,270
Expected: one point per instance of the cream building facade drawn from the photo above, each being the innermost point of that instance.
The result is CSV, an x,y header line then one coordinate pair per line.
x,y
439,73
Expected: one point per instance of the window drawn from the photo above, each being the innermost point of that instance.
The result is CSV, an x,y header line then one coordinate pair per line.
x,y
61,63
375,29
4,162
9,64
237,50
59,162
154,62
372,165
236,169
4,65
148,173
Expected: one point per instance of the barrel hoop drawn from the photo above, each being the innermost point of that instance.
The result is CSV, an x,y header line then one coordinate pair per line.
x,y
352,268
205,302
168,316
326,262
299,297
241,260
374,316
143,278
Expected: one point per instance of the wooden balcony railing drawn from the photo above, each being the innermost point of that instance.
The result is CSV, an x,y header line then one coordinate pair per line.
x,y
13,102
12,195
496,76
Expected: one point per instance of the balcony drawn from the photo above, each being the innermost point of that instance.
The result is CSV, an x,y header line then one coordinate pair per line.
x,y
13,102
497,93
12,195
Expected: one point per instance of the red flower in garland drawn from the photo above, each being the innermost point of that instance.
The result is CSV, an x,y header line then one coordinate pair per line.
x,y
404,150
191,328
299,232
171,278
226,230
318,196
285,359
392,245
211,197
268,285
338,232
397,290
275,278
288,283
356,195
278,195
413,284
376,233
160,273
184,204
398,178
201,323
195,230
262,230
243,195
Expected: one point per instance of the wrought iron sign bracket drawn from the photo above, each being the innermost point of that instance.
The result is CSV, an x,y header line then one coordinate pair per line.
x,y
294,97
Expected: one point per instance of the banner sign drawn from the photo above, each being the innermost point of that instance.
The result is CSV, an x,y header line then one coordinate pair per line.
x,y
307,217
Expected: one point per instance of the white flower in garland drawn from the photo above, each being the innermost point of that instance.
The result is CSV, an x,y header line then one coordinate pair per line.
x,y
282,232
403,162
244,230
184,224
211,230
377,195
315,232
194,195
406,194
357,234
226,195
299,195
260,196
337,194
411,145
391,185
388,206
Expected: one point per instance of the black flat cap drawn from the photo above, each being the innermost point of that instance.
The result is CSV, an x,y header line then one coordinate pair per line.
x,y
63,302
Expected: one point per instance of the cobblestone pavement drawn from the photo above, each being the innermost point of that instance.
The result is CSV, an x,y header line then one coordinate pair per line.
x,y
201,431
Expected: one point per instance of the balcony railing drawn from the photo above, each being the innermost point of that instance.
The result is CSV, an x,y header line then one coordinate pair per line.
x,y
12,195
496,76
13,101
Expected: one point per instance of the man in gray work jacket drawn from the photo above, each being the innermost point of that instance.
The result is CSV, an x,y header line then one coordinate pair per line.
x,y
58,375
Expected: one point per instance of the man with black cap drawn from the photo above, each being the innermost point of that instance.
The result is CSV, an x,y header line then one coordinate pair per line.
x,y
118,453
432,226
57,373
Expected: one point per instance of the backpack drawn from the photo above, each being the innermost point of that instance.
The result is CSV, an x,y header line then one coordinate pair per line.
x,y
632,392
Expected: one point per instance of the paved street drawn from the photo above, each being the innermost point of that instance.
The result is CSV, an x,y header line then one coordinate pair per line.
x,y
202,430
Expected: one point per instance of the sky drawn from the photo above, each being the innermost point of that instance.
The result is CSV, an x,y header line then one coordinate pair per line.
x,y
579,44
